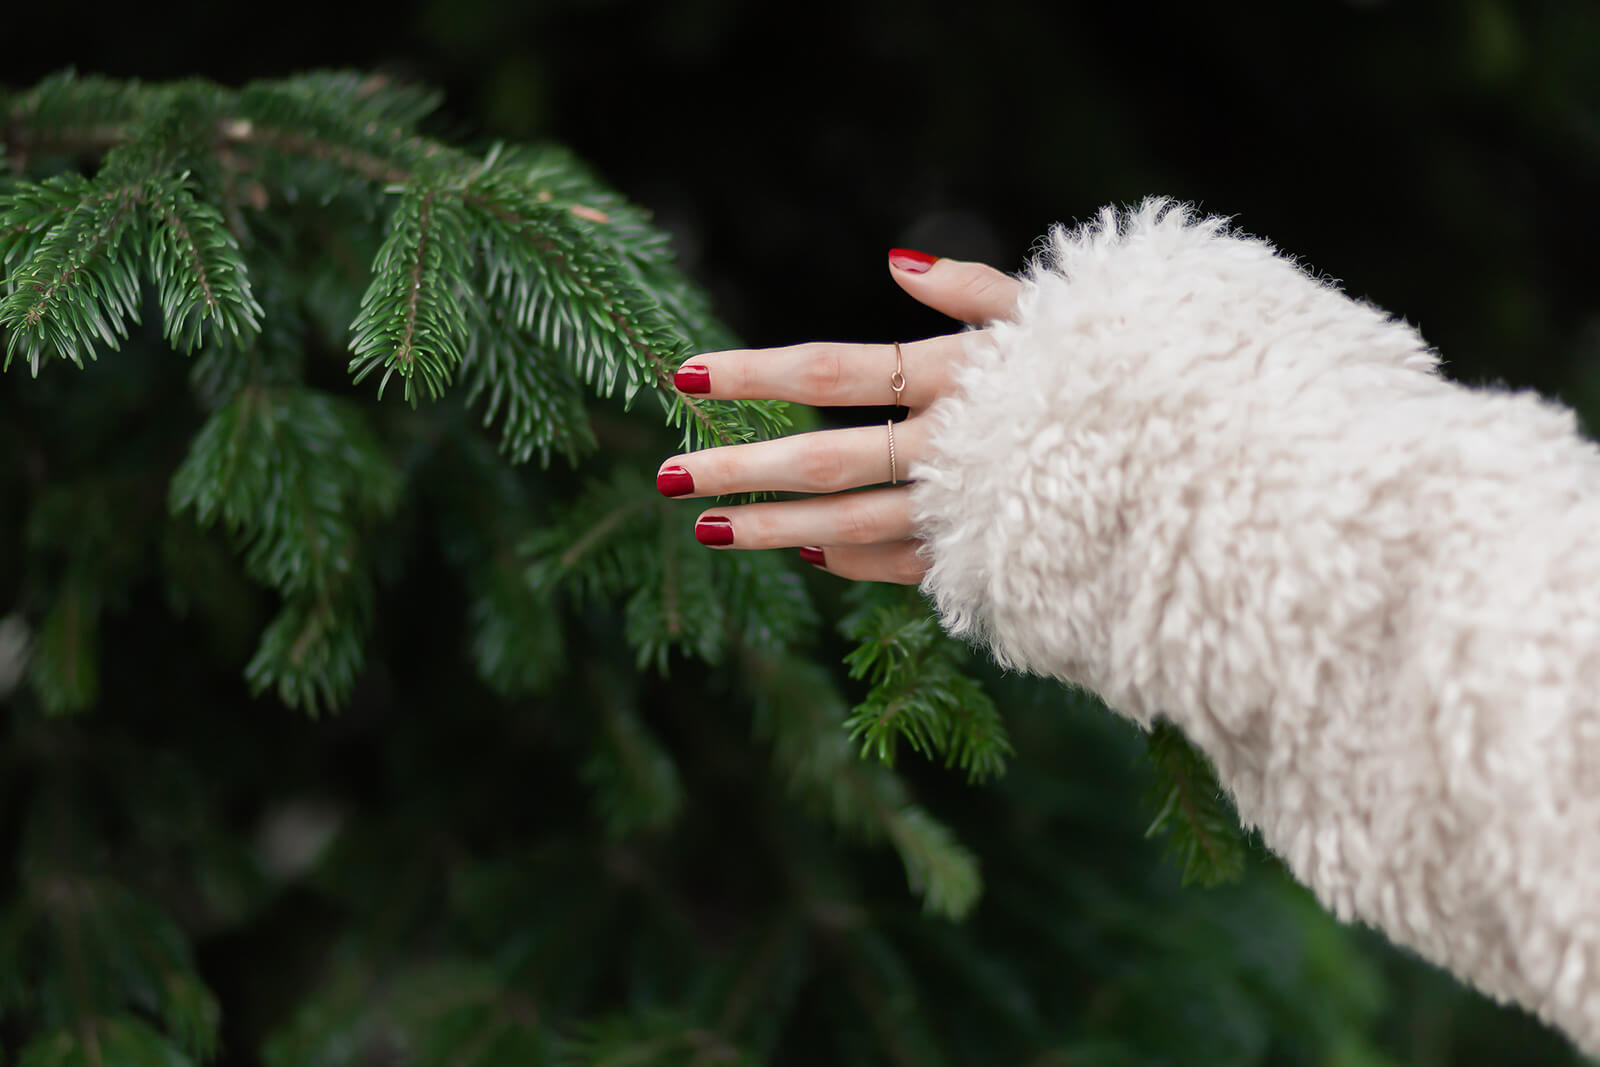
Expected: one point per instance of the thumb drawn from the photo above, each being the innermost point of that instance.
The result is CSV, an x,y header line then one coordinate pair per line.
x,y
972,292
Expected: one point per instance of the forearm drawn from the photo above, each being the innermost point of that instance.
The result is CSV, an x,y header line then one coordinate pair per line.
x,y
1194,480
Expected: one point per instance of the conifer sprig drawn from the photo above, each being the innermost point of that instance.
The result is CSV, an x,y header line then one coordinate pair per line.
x,y
798,712
919,693
413,317
79,285
197,269
1204,838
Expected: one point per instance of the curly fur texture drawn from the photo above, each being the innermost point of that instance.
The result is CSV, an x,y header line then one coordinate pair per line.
x,y
1206,486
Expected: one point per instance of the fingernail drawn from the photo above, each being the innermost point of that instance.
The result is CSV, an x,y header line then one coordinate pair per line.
x,y
692,378
674,481
812,555
713,530
910,260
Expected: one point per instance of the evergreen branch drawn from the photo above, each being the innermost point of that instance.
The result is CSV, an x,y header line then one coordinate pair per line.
x,y
482,514
68,114
1205,839
600,546
372,141
413,318
546,264
197,268
80,284
798,711
539,404
312,654
937,865
545,270
764,600
919,693
30,210
369,97
294,476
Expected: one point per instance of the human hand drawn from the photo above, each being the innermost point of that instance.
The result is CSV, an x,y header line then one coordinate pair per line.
x,y
867,535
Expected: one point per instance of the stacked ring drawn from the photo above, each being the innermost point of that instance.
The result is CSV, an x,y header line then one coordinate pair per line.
x,y
897,380
893,473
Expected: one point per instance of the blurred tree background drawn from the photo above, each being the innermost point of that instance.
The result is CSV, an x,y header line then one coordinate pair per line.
x,y
1441,160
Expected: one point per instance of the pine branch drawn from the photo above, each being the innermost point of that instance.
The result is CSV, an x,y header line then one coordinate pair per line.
x,y
538,403
72,115
197,269
919,693
312,653
80,285
798,711
413,317
937,866
1204,837
260,465
599,546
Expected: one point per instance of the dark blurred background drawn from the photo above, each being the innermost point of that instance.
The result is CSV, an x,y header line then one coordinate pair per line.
x,y
1441,159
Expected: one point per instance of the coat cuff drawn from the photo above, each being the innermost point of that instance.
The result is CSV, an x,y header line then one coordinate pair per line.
x,y
1198,481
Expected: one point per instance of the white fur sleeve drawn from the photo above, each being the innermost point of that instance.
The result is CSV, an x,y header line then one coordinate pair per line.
x,y
1206,486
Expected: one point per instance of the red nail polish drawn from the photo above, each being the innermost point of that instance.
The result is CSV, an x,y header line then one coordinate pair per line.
x,y
674,481
713,530
812,555
692,378
910,260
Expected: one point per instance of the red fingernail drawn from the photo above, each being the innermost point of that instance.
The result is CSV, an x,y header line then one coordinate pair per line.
x,y
910,260
674,481
692,378
713,530
812,555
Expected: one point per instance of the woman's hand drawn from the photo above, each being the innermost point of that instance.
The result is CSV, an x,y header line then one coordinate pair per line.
x,y
866,535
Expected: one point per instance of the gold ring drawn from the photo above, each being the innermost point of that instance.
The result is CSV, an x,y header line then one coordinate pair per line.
x,y
897,380
893,472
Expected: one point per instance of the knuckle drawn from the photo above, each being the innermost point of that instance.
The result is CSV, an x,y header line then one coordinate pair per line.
x,y
857,525
821,372
821,468
909,567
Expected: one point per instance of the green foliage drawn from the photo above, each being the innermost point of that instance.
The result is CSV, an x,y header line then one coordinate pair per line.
x,y
918,690
413,317
1203,834
540,832
798,711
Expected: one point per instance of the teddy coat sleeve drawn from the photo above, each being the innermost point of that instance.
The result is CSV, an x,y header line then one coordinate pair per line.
x,y
1206,486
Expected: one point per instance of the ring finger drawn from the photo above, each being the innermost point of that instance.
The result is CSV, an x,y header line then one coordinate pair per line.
x,y
825,461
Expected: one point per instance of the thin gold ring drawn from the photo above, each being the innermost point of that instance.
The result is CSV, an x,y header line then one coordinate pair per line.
x,y
897,380
893,471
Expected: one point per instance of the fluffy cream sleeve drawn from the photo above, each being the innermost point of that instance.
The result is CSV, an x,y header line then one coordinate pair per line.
x,y
1206,486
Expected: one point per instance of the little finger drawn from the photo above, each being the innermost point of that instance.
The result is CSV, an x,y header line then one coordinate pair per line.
x,y
900,562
